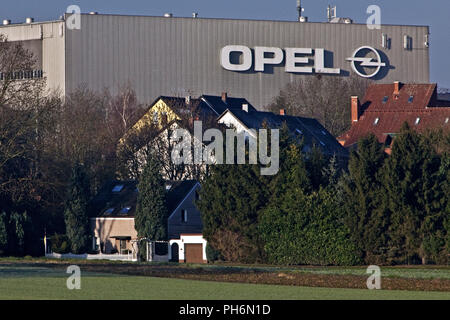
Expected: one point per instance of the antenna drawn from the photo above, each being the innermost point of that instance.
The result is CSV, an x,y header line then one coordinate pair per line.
x,y
331,13
299,9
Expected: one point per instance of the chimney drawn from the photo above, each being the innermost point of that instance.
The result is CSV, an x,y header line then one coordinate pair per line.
x,y
355,109
245,107
224,97
282,112
397,86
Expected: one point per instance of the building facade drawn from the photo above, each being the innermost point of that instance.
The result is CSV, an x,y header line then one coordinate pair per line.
x,y
194,56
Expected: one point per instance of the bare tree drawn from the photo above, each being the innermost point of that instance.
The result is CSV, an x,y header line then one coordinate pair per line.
x,y
325,98
155,138
17,84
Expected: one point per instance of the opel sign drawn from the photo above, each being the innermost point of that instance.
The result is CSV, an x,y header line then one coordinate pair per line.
x,y
363,61
297,60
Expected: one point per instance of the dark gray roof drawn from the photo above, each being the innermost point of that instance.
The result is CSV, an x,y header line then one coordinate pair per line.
x,y
219,106
312,132
110,203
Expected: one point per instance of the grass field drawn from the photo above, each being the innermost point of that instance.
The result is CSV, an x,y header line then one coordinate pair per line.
x,y
28,282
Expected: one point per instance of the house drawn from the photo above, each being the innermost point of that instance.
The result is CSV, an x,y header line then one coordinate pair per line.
x,y
237,113
154,130
386,107
309,130
167,109
112,220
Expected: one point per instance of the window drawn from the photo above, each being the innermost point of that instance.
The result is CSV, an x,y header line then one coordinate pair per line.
x,y
117,188
385,99
125,210
417,121
411,99
184,216
376,121
155,117
95,242
109,211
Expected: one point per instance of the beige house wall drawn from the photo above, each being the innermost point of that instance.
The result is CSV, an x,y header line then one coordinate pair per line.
x,y
106,229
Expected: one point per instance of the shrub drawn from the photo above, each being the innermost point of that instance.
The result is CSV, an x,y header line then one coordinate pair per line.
x,y
60,243
212,254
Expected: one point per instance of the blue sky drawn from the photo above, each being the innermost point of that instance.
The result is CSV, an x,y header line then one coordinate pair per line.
x,y
434,13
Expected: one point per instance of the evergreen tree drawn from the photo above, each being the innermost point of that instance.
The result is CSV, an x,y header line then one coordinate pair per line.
x,y
3,234
315,164
411,197
436,195
75,214
230,201
151,211
366,222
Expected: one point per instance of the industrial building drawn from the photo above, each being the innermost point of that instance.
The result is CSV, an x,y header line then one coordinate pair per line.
x,y
179,56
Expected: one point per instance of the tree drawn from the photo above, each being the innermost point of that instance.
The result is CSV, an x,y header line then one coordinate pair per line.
x,y
24,123
230,200
301,225
324,98
366,223
16,60
3,233
151,211
75,213
413,197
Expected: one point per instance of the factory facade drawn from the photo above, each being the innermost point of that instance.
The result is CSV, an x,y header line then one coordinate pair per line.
x,y
195,56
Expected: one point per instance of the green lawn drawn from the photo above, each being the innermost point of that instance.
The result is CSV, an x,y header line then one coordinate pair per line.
x,y
44,283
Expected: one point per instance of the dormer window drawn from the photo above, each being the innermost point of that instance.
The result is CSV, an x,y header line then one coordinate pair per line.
x,y
125,210
117,188
417,121
411,99
109,211
385,99
376,121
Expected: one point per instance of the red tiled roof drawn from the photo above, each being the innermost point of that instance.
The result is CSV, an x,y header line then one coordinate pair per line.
x,y
423,112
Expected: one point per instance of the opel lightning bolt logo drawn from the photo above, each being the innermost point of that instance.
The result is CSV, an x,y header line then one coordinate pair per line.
x,y
358,61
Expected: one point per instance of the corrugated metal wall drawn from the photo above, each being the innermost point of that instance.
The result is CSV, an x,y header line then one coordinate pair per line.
x,y
51,56
176,56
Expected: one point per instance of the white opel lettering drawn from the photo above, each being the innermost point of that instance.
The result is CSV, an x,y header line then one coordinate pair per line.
x,y
261,60
225,55
292,60
319,63
275,56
